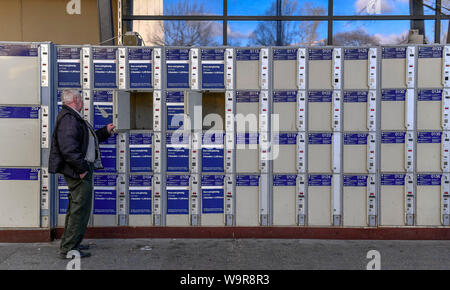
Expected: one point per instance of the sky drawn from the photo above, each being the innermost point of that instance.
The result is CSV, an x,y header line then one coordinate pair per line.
x,y
386,31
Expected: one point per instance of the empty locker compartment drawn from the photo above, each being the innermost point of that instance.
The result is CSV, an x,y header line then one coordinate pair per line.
x,y
319,152
319,200
284,68
20,129
213,111
105,200
355,110
213,152
247,153
63,200
177,152
247,200
20,74
133,110
429,151
68,72
140,200
105,67
20,191
355,152
320,69
285,153
429,67
140,150
177,200
355,201
393,109
248,69
140,67
393,67
177,68
285,107
319,110
284,200
429,109
428,200
213,200
247,111
393,151
356,67
392,200
213,68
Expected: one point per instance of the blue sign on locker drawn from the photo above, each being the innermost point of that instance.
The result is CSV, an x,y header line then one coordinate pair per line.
x,y
355,180
393,95
105,194
247,54
175,110
213,152
177,147
19,173
321,54
69,67
393,179
284,180
29,50
285,97
319,180
393,137
108,154
177,68
19,112
63,195
105,70
247,180
393,52
429,179
212,194
430,51
430,95
140,194
177,194
140,68
355,96
141,152
213,69
429,137
319,96
284,54
356,53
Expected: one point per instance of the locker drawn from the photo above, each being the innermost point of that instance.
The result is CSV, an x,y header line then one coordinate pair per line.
x,y
355,200
63,200
284,200
356,67
247,153
284,68
355,110
108,155
393,151
319,152
21,146
177,152
213,111
429,103
355,153
429,151
286,159
429,67
213,68
213,152
19,75
247,200
183,107
285,106
140,200
177,68
177,200
319,200
393,67
393,109
247,69
68,61
247,111
140,68
428,200
392,200
175,110
319,110
20,206
104,62
212,200
132,111
105,200
140,151
103,109
320,69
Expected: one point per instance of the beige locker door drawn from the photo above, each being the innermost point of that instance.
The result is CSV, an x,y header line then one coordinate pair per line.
x,y
429,106
393,68
393,110
284,200
355,200
355,110
285,107
393,151
20,193
320,73
392,200
319,200
177,200
319,110
429,67
356,68
355,153
247,200
284,74
247,69
247,111
285,155
247,153
428,200
429,151
319,152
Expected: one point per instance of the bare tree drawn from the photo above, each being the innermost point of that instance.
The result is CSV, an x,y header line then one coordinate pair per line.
x,y
358,37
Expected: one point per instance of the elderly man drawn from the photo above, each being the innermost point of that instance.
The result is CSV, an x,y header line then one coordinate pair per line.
x,y
75,154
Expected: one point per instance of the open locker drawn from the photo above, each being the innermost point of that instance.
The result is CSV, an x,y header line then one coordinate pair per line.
x,y
428,200
393,109
140,200
319,152
284,68
212,204
320,200
392,200
247,200
285,106
356,68
284,200
320,69
355,110
429,67
177,200
285,161
319,110
429,109
393,67
393,151
355,200
355,152
105,200
247,153
429,151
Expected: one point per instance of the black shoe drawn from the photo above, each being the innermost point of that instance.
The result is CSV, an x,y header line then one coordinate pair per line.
x,y
82,255
83,247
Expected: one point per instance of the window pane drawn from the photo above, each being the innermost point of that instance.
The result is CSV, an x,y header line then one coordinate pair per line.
x,y
304,7
252,7
264,33
445,7
177,7
364,7
179,32
444,31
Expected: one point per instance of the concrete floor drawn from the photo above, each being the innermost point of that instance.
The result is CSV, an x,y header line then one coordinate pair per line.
x,y
228,254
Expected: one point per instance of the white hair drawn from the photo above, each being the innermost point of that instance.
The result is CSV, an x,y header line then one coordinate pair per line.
x,y
68,96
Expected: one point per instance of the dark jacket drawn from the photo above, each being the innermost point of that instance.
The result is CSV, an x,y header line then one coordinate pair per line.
x,y
69,145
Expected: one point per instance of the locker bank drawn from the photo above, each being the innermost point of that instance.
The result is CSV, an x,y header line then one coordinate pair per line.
x,y
230,138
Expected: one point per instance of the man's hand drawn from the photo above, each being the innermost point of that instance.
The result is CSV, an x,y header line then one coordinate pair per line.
x,y
110,127
82,175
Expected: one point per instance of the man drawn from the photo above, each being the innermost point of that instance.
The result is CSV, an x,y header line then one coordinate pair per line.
x,y
75,153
